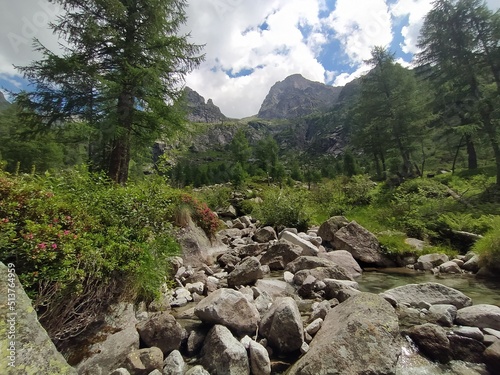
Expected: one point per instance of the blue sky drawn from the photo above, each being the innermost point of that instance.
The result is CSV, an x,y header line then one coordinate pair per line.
x,y
252,44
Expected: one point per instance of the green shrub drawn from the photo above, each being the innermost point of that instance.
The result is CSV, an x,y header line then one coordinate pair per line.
x,y
216,196
488,247
78,241
283,208
395,244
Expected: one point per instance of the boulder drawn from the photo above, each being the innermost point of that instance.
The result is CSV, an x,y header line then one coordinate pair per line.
x,y
443,314
432,341
482,316
33,350
279,254
466,349
260,364
252,250
195,341
344,259
328,229
433,293
144,361
229,308
161,330
246,272
334,286
450,267
275,288
307,263
472,263
359,336
197,249
222,354
307,247
265,234
362,244
282,326
228,260
174,364
492,357
120,371
197,370
429,261
321,273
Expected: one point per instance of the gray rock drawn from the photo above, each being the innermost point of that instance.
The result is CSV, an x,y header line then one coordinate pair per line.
x,y
282,326
415,243
246,272
279,254
313,327
275,288
228,260
223,354
321,273
252,250
443,314
195,341
450,267
328,229
364,334
155,372
197,370
161,330
482,316
265,234
344,259
433,293
320,310
362,244
466,349
471,332
472,264
174,364
307,247
493,332
307,263
260,364
120,371
143,361
110,353
432,341
334,287
229,308
492,357
429,261
34,351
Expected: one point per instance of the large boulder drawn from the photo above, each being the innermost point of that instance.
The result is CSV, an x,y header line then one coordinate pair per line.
x,y
307,247
482,316
492,356
161,330
265,234
222,354
280,254
432,341
359,336
174,364
432,293
328,229
362,244
229,308
321,273
246,272
260,364
345,260
282,326
32,351
144,361
429,261
307,263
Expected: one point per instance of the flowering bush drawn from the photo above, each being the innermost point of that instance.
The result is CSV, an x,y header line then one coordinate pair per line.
x,y
78,241
203,216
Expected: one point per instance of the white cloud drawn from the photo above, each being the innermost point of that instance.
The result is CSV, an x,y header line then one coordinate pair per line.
x,y
360,26
344,78
416,11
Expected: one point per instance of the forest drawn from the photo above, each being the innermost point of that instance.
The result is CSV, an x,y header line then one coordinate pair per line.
x,y
83,204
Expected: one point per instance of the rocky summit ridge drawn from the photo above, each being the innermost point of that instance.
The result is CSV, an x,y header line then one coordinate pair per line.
x,y
200,111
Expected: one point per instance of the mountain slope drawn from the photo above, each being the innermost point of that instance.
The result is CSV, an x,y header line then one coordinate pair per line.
x,y
199,111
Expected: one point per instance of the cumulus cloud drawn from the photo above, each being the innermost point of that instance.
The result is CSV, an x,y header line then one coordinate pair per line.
x,y
360,27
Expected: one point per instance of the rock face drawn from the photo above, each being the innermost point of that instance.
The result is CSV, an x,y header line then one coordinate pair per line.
x,y
161,330
432,341
296,96
359,336
222,354
282,325
345,260
362,244
432,293
32,350
328,229
482,316
280,254
199,111
230,308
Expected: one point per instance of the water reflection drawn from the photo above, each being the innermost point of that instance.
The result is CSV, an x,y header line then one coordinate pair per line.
x,y
380,280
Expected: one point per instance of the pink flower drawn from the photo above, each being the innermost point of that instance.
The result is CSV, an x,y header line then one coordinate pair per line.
x,y
42,245
54,246
66,232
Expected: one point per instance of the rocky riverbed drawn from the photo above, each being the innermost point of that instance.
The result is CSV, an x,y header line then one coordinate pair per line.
x,y
257,302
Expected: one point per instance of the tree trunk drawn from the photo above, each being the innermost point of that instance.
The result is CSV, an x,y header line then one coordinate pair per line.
x,y
471,153
120,153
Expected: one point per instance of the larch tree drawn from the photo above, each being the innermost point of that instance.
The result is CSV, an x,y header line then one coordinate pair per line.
x,y
121,71
460,41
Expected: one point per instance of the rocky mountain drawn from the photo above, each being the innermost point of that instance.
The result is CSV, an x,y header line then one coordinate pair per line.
x,y
297,96
201,111
3,101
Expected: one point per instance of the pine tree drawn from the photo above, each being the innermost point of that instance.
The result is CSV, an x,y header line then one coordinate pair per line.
x,y
121,71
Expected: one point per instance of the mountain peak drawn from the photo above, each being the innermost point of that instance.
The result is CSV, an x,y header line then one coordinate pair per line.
x,y
201,111
297,96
